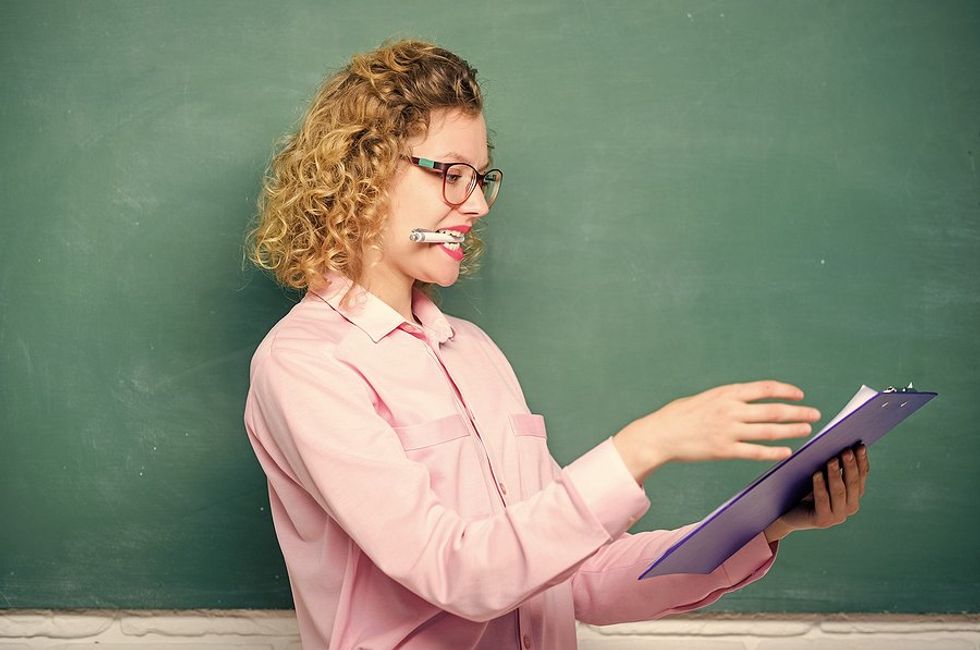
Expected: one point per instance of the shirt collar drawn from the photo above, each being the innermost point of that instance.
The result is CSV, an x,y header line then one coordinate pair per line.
x,y
376,317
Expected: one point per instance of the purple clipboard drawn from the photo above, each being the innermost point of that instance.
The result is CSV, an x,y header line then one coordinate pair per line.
x,y
866,418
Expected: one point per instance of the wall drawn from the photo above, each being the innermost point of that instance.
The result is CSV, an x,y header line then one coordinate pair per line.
x,y
276,630
696,192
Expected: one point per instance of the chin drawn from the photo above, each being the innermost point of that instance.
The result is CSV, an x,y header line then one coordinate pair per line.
x,y
442,279
447,282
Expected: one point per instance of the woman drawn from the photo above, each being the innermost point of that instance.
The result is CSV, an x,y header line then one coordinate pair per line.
x,y
413,494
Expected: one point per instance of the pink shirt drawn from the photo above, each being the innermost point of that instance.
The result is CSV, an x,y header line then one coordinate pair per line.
x,y
416,502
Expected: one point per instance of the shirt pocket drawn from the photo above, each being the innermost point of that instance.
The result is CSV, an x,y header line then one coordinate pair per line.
x,y
538,468
445,447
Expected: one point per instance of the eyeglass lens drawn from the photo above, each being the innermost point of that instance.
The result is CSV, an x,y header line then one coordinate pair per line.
x,y
460,181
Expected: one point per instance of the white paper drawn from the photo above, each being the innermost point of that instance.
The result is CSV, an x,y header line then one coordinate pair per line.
x,y
860,397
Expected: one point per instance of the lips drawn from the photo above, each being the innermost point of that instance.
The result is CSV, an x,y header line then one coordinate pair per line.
x,y
454,250
456,254
462,228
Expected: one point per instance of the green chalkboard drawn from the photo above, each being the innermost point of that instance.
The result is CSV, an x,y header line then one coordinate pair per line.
x,y
697,193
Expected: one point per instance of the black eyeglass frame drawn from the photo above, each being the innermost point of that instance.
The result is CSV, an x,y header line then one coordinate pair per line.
x,y
478,178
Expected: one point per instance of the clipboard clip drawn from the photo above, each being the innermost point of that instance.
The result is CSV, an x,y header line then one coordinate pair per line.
x,y
908,389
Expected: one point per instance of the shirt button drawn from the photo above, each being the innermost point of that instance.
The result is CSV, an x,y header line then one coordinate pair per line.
x,y
503,488
527,641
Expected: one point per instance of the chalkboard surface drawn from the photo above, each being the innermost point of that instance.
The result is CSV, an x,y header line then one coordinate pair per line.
x,y
697,193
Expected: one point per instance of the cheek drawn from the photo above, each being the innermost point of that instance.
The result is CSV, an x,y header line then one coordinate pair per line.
x,y
421,201
415,205
407,217
421,213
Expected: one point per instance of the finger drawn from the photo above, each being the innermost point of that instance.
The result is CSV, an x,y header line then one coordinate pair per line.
x,y
771,431
821,500
777,413
863,466
759,452
838,492
768,389
852,482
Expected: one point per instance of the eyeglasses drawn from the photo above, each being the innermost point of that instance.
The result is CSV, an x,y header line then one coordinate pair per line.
x,y
460,179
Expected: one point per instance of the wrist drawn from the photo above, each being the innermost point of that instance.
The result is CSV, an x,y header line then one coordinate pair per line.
x,y
639,459
777,530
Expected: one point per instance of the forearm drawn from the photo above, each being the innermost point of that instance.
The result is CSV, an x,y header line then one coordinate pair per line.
x,y
606,590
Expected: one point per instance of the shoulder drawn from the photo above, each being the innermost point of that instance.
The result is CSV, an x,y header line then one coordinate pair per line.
x,y
470,334
310,331
470,337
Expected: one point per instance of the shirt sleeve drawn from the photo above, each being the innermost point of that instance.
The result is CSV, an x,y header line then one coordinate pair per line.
x,y
320,414
606,590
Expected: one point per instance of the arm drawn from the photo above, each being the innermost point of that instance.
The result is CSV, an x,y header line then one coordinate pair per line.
x,y
319,413
606,590
605,587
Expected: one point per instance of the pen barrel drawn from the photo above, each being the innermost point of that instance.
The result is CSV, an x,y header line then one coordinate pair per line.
x,y
428,236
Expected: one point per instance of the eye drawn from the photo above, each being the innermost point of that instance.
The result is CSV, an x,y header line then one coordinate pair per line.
x,y
452,178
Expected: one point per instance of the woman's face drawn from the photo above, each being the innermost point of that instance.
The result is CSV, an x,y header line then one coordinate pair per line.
x,y
417,201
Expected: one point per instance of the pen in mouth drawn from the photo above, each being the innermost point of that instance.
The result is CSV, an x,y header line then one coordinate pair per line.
x,y
424,236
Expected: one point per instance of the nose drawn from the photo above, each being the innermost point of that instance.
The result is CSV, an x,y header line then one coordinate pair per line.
x,y
476,205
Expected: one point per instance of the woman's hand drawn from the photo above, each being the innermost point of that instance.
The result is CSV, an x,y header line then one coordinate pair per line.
x,y
832,500
714,425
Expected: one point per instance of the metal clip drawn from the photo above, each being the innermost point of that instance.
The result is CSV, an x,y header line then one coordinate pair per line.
x,y
908,389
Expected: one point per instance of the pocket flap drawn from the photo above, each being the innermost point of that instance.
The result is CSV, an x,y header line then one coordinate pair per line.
x,y
528,424
433,432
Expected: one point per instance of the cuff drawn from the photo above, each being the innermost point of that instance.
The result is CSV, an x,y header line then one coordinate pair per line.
x,y
603,483
751,561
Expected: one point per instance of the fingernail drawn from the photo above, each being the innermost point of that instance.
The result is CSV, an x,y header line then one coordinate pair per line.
x,y
863,451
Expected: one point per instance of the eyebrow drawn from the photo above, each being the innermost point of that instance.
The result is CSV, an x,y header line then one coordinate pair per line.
x,y
461,157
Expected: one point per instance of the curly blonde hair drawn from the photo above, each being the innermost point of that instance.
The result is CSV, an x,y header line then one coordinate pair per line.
x,y
324,197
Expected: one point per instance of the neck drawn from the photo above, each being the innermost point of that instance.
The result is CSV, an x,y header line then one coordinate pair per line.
x,y
393,288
